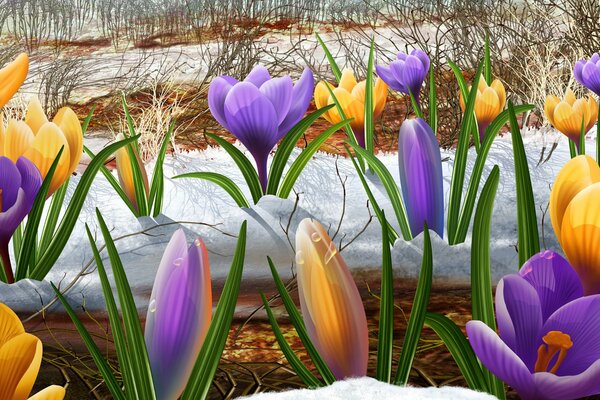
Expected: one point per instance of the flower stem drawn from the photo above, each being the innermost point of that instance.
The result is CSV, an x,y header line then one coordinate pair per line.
x,y
261,168
10,278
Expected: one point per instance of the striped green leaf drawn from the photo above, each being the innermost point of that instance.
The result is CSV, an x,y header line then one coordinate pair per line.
x,y
385,343
155,199
334,67
432,100
224,182
369,102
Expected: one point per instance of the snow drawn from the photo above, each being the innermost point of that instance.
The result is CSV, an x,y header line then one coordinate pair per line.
x,y
371,389
203,209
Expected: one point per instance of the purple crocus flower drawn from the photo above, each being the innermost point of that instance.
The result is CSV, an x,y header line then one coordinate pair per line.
x,y
19,185
587,73
408,71
549,341
260,110
179,315
420,166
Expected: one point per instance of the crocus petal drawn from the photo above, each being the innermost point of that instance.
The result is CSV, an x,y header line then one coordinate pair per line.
x,y
396,69
331,304
580,320
388,77
12,77
380,94
35,116
53,392
10,324
251,118
68,122
348,80
421,178
413,75
279,92
591,77
501,92
10,183
574,176
178,315
258,76
301,94
352,109
421,55
499,358
16,356
554,280
322,96
31,181
593,117
580,234
125,172
553,387
519,316
570,97
549,106
18,139
11,218
578,71
487,106
28,379
45,147
217,92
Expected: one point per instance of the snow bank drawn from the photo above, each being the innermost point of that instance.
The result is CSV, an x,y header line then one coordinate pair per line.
x,y
203,209
371,389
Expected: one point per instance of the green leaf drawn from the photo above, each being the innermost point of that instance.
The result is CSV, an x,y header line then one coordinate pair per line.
x,y
415,104
29,246
481,281
139,361
87,119
582,137
246,168
418,312
284,150
461,350
224,182
392,234
49,256
129,119
298,324
385,343
155,199
287,184
572,149
101,364
475,179
432,101
116,327
210,354
368,106
301,370
487,69
529,241
390,187
56,204
460,158
334,67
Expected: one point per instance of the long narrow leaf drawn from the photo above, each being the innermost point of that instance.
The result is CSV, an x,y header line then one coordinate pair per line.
x,y
301,370
368,106
139,361
56,204
487,69
334,67
432,100
95,352
214,343
133,151
224,182
287,184
529,241
385,343
481,281
298,324
460,349
87,119
155,199
415,104
418,312
284,150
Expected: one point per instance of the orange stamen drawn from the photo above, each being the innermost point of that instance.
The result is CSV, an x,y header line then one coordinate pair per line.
x,y
554,342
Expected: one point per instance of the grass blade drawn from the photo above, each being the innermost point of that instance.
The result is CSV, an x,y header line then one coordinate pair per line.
x,y
284,150
139,362
417,314
101,364
56,204
334,67
287,184
224,182
582,137
475,179
385,343
49,256
245,166
460,158
133,151
116,327
26,257
369,106
155,199
390,187
214,343
529,241
487,60
481,281
461,350
298,324
415,104
87,119
432,100
304,373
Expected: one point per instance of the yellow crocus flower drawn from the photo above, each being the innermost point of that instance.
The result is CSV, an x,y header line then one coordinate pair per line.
x,y
351,96
568,114
575,218
125,171
489,103
20,360
12,77
40,140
